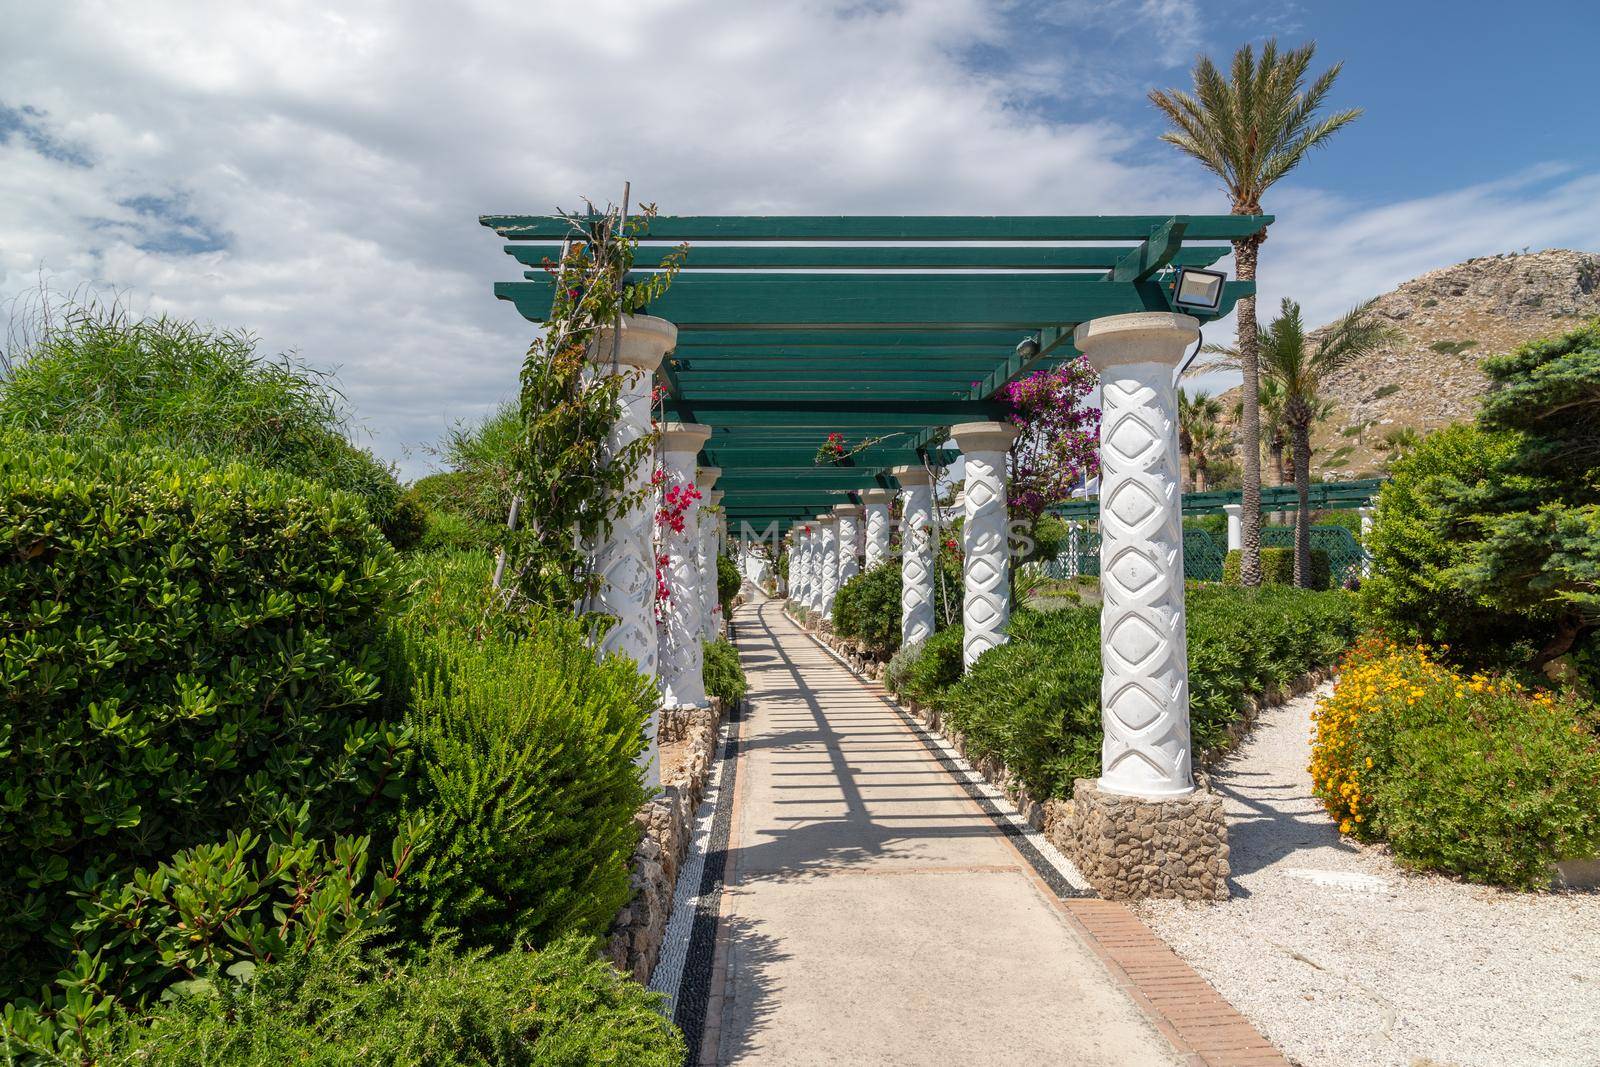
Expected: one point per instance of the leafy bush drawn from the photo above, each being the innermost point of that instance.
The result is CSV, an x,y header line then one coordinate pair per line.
x,y
724,676
867,607
936,666
1034,702
527,780
1277,567
1469,774
187,649
338,1006
728,583
96,372
1421,533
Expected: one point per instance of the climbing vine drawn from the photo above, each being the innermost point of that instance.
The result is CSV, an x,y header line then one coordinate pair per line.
x,y
570,488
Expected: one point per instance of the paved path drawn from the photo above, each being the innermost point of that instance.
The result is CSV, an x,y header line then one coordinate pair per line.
x,y
875,914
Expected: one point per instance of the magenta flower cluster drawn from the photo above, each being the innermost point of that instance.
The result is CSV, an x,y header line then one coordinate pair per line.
x,y
1059,442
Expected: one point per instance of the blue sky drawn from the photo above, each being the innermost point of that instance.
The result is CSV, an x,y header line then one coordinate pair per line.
x,y
313,172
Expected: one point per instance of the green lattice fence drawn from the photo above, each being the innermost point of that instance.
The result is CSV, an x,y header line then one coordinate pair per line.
x,y
1202,556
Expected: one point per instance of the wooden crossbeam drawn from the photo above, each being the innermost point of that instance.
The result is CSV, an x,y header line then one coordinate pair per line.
x,y
889,257
897,227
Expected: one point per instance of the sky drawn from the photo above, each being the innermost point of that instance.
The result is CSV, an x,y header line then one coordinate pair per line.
x,y
313,172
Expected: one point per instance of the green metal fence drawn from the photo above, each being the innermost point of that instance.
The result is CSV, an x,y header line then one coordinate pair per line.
x,y
1204,555
1345,556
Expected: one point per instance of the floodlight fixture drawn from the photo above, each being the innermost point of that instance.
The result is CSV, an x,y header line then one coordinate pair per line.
x,y
1198,290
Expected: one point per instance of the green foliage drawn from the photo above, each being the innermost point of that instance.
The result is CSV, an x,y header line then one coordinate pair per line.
x,y
1422,532
724,676
341,1007
1277,567
527,781
1034,702
1215,525
729,582
186,650
867,609
936,665
1452,348
98,373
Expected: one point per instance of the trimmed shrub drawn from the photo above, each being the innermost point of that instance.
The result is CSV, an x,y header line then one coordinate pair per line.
x,y
96,372
867,607
1034,702
338,1006
1469,774
724,676
729,582
1277,567
187,650
527,779
936,666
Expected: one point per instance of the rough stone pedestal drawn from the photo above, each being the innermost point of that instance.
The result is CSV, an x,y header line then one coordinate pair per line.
x,y
1131,847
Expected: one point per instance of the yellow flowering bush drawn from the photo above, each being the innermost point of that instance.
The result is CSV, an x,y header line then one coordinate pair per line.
x,y
1470,774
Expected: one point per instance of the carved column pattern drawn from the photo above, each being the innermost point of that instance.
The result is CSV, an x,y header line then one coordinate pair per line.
x,y
791,574
916,555
705,548
808,568
849,517
682,658
986,569
876,502
1144,694
624,560
828,553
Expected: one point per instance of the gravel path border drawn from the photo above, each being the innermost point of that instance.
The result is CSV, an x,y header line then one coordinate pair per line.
x,y
1340,957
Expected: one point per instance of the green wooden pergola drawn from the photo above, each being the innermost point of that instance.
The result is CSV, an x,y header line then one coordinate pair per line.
x,y
880,328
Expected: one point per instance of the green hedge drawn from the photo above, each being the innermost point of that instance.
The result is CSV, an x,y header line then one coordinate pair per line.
x,y
724,677
339,1007
1277,567
867,607
922,673
527,780
729,582
1034,702
188,650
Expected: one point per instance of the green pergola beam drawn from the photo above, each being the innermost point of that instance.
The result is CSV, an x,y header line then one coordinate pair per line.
x,y
897,227
886,257
911,339
1153,253
731,457
829,415
766,301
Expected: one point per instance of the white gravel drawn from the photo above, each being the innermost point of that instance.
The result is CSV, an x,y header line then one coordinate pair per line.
x,y
1341,958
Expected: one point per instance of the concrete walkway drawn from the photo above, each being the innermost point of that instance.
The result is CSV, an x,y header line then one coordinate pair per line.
x,y
874,913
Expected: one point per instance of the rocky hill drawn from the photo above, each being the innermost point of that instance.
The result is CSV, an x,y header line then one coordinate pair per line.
x,y
1449,320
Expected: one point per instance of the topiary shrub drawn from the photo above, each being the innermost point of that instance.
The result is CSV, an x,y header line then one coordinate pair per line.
x,y
729,582
341,1007
1473,775
188,649
724,676
1277,567
527,779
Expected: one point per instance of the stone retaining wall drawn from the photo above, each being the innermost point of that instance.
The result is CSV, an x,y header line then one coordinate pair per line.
x,y
666,824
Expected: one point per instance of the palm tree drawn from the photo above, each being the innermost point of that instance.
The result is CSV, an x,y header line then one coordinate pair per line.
x,y
1200,438
1301,367
1251,129
1396,443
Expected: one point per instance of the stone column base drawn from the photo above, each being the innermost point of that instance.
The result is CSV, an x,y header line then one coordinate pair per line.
x,y
1131,847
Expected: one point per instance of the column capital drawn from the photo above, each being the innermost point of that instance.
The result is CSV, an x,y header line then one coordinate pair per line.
x,y
706,477
1142,337
1233,509
714,497
645,339
872,497
983,436
684,436
913,475
846,511
825,518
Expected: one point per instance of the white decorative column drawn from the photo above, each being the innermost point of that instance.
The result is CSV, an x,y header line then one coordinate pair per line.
x,y
986,568
682,658
791,572
1142,829
849,522
1366,531
828,558
876,503
625,559
1235,513
705,551
916,554
810,571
